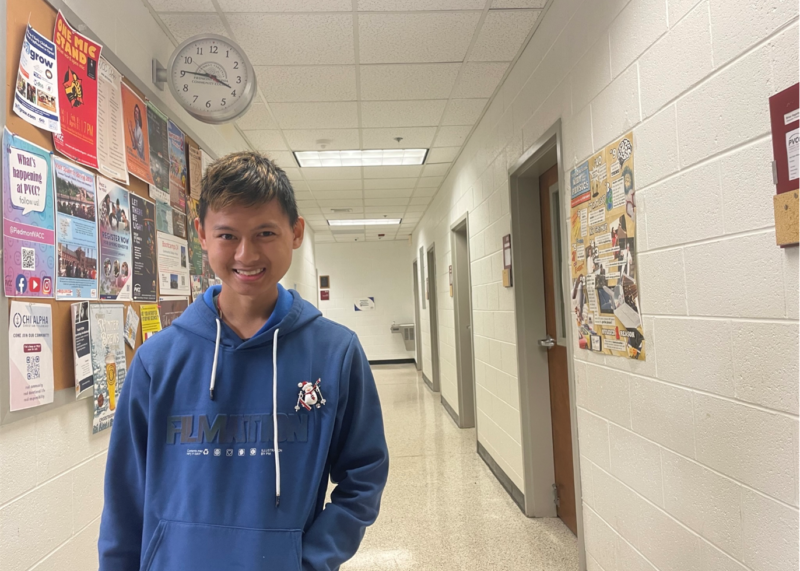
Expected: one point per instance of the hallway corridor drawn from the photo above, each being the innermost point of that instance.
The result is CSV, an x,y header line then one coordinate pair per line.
x,y
442,509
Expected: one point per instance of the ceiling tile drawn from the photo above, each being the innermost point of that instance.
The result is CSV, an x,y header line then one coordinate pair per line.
x,y
385,201
463,111
354,212
414,38
356,205
420,200
336,139
328,115
426,191
307,204
182,5
293,174
184,26
442,155
302,195
383,183
412,5
435,170
338,195
402,113
499,4
322,238
416,208
307,83
257,117
451,136
343,238
339,173
384,211
393,193
284,159
502,34
409,171
286,5
320,185
295,39
413,137
408,81
432,182
267,140
479,79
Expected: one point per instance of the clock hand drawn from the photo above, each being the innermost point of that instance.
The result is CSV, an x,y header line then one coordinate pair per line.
x,y
208,75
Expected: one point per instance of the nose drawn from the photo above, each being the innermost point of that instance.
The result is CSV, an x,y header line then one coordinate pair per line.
x,y
246,252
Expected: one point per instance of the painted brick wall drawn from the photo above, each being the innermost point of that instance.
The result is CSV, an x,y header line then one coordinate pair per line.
x,y
302,275
377,269
689,460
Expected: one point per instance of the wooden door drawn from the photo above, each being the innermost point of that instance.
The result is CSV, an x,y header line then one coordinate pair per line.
x,y
557,355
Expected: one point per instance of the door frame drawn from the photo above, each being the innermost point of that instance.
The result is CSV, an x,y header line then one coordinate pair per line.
x,y
417,332
433,318
537,436
465,356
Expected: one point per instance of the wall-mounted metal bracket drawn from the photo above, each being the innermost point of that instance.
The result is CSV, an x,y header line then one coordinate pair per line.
x,y
159,74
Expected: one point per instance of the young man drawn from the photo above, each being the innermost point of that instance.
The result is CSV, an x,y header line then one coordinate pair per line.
x,y
231,421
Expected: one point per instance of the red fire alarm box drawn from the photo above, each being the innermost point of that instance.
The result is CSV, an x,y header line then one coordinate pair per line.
x,y
784,111
325,294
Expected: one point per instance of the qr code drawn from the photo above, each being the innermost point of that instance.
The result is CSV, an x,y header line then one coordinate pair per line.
x,y
28,259
33,367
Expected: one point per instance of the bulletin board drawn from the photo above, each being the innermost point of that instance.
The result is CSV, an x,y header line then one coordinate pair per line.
x,y
42,17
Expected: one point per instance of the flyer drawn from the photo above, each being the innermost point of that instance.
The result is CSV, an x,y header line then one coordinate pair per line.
x,y
36,96
195,172
209,277
143,236
177,167
29,241
171,307
131,326
158,195
137,146
77,61
81,350
115,241
159,148
178,223
195,249
605,292
76,231
151,321
108,361
110,133
30,355
164,218
173,269
197,286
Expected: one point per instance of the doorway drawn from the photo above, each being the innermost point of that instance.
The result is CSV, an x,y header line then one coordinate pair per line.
x,y
462,306
430,289
417,333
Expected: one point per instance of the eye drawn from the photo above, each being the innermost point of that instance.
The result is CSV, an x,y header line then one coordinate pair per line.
x,y
267,233
226,237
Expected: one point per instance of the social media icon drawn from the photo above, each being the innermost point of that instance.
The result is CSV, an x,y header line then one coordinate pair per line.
x,y
35,285
22,284
47,286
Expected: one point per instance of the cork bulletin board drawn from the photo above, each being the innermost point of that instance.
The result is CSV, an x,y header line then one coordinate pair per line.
x,y
42,17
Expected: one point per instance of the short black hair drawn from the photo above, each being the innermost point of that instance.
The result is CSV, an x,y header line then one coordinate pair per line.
x,y
246,178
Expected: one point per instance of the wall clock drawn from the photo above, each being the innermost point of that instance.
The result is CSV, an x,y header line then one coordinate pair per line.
x,y
212,78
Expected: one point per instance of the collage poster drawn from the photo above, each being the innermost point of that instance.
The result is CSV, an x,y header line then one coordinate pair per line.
x,y
143,218
36,96
159,147
29,256
137,146
76,231
108,360
77,61
177,167
30,355
115,241
110,134
605,294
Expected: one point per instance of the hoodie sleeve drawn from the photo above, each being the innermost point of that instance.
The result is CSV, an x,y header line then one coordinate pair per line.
x,y
359,468
120,542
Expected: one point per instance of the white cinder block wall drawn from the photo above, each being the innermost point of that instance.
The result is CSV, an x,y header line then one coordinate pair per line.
x,y
689,460
302,275
370,269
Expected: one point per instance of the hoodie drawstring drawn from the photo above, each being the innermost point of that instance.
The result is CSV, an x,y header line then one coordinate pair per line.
x,y
214,366
275,418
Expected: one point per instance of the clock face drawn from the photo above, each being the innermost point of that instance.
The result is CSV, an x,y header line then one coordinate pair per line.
x,y
212,78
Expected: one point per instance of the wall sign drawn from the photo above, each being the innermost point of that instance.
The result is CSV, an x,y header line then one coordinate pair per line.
x,y
507,278
364,304
784,110
325,295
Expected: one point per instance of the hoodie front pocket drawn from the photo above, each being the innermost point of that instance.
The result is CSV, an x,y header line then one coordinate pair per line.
x,y
202,547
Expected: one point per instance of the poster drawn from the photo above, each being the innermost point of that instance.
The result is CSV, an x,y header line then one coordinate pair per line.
x,y
195,249
197,286
177,167
108,361
143,236
195,172
209,277
171,307
81,350
158,195
605,294
164,218
29,251
178,223
30,355
110,133
76,231
173,266
131,326
115,240
76,61
36,95
151,321
159,147
137,146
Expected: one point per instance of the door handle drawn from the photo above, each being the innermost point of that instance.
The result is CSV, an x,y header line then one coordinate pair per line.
x,y
548,342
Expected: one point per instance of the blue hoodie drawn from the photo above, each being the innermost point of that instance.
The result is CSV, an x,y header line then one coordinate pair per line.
x,y
194,482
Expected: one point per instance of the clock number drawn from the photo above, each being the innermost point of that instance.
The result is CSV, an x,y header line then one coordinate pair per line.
x,y
238,79
195,99
227,53
213,49
183,73
187,59
208,103
236,65
233,93
199,51
186,87
224,102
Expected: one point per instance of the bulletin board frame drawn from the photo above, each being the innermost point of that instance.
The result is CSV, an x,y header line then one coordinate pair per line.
x,y
20,11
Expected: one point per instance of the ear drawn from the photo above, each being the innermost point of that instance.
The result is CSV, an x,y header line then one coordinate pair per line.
x,y
299,231
201,232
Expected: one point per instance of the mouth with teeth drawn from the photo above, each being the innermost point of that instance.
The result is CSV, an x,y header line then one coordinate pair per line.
x,y
249,274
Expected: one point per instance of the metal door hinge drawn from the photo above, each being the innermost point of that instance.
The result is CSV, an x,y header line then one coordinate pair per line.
x,y
556,499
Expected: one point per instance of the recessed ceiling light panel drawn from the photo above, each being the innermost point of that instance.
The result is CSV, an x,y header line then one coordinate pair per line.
x,y
357,158
366,222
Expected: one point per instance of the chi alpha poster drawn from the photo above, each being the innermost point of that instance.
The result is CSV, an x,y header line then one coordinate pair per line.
x,y
605,291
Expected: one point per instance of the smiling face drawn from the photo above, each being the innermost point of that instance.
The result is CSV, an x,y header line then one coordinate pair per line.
x,y
250,246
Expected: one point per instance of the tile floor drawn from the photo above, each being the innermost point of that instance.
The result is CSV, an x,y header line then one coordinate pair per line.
x,y
443,510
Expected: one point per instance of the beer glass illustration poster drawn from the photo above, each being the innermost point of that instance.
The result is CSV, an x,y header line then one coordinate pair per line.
x,y
30,355
177,167
143,215
605,291
76,232
36,95
108,360
28,220
76,60
115,241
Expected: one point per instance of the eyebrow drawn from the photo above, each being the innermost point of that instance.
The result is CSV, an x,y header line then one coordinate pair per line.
x,y
260,227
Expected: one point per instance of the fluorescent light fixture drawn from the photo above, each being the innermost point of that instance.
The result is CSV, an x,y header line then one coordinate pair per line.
x,y
371,158
366,222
